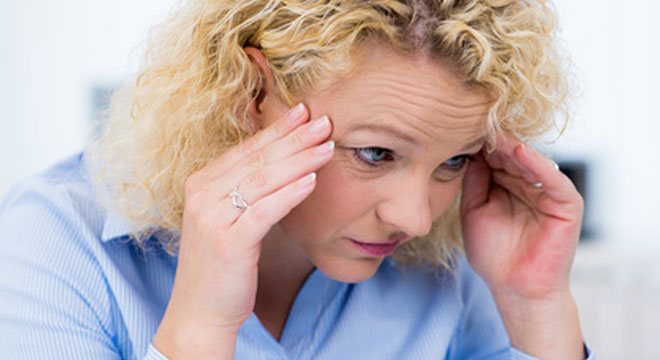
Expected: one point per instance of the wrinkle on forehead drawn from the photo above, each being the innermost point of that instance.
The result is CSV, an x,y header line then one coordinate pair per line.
x,y
430,105
456,97
431,84
415,92
435,112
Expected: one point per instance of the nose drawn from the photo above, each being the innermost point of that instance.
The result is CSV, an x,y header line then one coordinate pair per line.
x,y
407,207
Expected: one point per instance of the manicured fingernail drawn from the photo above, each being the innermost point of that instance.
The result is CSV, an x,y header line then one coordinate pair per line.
x,y
324,148
307,180
522,152
319,124
294,113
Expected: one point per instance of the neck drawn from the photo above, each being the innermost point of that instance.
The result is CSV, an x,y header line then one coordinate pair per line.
x,y
283,268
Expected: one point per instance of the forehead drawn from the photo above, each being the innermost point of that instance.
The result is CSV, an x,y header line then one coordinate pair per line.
x,y
423,98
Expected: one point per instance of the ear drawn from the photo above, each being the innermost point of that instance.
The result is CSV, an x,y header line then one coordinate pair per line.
x,y
260,111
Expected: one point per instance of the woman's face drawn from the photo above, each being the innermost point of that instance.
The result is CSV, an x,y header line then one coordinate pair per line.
x,y
404,129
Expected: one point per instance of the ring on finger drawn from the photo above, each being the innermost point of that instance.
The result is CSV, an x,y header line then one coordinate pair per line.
x,y
555,165
237,200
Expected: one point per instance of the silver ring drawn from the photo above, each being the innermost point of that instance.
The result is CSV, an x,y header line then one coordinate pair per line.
x,y
537,185
238,200
555,165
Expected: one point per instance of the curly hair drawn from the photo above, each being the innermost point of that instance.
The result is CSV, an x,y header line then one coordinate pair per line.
x,y
189,101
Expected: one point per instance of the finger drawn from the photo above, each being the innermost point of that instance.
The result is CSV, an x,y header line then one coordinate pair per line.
x,y
518,187
511,164
503,158
279,129
252,170
476,184
557,185
257,220
270,178
301,139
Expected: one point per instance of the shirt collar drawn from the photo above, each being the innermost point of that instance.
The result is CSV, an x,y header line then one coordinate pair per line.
x,y
115,226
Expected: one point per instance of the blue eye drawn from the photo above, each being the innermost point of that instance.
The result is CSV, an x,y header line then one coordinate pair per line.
x,y
371,156
457,163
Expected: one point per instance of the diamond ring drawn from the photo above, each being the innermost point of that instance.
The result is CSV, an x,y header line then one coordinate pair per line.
x,y
238,200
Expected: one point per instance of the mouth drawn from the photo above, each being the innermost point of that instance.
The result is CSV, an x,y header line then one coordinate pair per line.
x,y
377,249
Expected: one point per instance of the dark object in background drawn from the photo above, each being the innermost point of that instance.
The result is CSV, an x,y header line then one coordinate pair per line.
x,y
577,171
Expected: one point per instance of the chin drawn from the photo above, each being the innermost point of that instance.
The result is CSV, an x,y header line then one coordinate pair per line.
x,y
350,270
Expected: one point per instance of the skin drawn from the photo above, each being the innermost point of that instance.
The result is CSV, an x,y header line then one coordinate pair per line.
x,y
400,198
519,238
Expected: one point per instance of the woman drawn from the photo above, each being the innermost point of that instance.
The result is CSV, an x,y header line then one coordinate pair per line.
x,y
215,218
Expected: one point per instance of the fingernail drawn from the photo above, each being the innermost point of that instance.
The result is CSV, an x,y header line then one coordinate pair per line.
x,y
318,125
307,180
324,148
294,113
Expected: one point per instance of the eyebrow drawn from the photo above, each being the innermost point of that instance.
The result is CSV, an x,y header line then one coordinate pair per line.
x,y
405,137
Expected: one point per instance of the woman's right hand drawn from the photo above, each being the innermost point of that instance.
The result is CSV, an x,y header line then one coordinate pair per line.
x,y
216,278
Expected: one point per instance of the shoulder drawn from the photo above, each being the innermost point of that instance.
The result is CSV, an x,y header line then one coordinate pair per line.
x,y
56,202
49,226
74,268
51,222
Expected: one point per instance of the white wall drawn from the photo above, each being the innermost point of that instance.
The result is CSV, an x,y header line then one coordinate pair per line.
x,y
55,51
617,49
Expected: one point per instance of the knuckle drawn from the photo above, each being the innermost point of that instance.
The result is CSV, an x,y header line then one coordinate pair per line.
x,y
257,158
248,146
194,202
194,188
191,183
296,139
260,213
281,129
257,178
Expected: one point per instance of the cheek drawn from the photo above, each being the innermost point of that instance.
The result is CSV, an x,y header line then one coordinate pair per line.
x,y
443,196
336,201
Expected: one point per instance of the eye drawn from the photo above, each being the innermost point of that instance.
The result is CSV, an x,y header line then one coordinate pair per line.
x,y
372,156
457,163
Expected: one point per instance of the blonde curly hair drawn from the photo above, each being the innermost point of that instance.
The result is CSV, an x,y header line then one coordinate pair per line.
x,y
189,102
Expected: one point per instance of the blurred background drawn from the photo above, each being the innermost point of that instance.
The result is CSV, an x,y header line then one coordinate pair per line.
x,y
61,59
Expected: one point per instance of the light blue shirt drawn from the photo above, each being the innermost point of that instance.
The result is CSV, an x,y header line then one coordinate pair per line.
x,y
72,287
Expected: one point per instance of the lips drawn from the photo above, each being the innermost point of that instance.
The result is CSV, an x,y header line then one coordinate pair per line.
x,y
377,248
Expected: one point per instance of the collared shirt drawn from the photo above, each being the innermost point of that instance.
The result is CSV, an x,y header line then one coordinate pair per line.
x,y
73,287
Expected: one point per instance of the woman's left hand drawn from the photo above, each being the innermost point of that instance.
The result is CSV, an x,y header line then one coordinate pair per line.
x,y
521,220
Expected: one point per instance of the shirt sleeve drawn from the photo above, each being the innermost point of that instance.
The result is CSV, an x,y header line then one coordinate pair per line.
x,y
480,333
54,301
519,355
